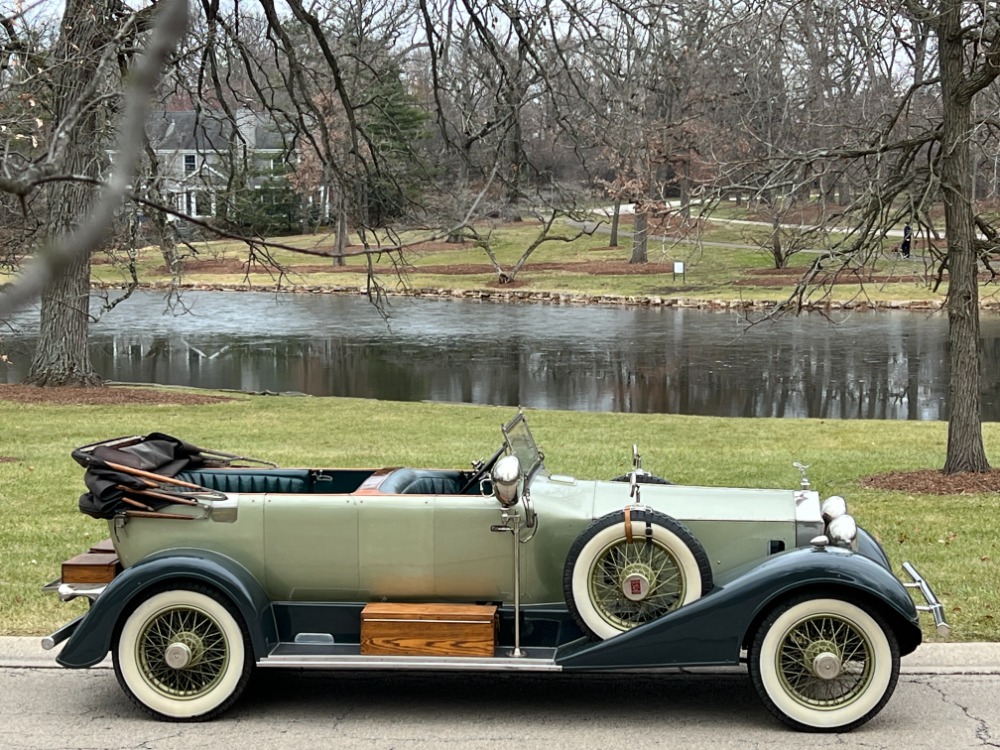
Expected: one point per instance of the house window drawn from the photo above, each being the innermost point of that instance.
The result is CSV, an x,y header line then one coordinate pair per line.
x,y
190,163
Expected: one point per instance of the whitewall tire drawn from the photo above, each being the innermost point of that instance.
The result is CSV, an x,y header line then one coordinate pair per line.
x,y
624,573
183,654
824,665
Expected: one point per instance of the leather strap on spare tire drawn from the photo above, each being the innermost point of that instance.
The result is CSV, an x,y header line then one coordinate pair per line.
x,y
646,518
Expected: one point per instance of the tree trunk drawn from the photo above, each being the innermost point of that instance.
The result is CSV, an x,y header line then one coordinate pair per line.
x,y
168,246
640,237
965,435
341,243
776,249
62,356
614,222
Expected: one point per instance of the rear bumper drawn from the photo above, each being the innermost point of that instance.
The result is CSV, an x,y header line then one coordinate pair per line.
x,y
933,606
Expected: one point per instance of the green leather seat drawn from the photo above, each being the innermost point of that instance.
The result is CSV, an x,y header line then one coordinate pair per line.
x,y
255,481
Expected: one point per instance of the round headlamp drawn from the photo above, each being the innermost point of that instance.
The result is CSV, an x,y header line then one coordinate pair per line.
x,y
842,530
506,476
833,507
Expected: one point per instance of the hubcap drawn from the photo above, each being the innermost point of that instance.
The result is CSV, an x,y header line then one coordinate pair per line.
x,y
177,655
827,666
635,586
637,580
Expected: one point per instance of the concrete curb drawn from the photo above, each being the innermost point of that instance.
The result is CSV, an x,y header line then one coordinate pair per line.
x,y
930,658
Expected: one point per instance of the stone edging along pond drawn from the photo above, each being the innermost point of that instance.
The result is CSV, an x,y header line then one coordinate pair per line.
x,y
562,298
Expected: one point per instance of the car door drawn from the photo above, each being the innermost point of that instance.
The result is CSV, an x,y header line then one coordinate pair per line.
x,y
432,548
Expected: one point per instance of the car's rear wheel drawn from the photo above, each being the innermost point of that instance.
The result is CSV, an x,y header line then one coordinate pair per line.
x,y
824,665
183,654
624,572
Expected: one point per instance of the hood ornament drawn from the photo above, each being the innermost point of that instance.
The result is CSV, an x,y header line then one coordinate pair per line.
x,y
804,482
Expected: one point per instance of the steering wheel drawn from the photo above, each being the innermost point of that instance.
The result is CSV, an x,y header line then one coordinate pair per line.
x,y
482,470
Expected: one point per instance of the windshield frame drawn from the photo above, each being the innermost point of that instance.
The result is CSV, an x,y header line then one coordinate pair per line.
x,y
520,443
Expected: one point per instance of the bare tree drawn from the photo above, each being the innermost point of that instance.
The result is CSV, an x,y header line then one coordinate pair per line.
x,y
906,151
66,168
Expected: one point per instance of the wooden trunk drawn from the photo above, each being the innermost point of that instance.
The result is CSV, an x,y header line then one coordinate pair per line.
x,y
98,565
391,629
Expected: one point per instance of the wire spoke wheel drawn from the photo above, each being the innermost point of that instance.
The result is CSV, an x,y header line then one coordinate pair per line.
x,y
824,665
838,641
182,628
183,654
649,563
622,573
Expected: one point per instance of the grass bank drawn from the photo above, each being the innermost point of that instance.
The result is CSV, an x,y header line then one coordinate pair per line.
x,y
953,539
721,265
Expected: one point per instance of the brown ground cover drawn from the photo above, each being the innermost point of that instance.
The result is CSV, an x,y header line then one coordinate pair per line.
x,y
922,482
935,482
108,395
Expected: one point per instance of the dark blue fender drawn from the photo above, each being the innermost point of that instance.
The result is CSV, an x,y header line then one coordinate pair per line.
x,y
91,640
713,629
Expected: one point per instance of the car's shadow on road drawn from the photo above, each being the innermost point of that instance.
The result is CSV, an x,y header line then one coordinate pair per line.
x,y
425,697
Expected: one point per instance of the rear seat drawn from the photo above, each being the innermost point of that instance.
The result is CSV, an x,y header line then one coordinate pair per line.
x,y
257,481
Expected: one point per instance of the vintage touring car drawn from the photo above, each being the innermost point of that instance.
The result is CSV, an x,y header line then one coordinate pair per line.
x,y
216,566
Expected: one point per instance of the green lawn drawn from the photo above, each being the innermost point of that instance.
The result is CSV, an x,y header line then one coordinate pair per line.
x,y
720,267
953,540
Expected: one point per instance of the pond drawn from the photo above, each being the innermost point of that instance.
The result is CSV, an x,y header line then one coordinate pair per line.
x,y
888,365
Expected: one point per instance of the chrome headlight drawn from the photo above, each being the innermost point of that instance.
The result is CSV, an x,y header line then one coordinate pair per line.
x,y
506,478
833,507
842,530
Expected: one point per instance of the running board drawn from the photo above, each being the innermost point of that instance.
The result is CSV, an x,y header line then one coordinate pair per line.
x,y
348,656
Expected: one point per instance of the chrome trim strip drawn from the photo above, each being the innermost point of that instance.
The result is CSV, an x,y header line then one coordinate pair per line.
x,y
441,663
933,605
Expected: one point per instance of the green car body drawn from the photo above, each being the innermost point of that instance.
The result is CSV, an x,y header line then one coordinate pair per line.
x,y
294,556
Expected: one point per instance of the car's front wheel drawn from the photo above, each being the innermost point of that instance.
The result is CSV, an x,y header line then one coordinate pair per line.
x,y
824,665
183,654
626,570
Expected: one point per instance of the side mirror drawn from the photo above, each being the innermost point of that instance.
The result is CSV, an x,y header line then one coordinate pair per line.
x,y
506,478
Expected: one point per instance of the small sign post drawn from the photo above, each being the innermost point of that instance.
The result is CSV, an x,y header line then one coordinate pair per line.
x,y
679,269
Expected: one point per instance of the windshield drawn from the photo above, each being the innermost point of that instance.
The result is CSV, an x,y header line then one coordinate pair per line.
x,y
520,443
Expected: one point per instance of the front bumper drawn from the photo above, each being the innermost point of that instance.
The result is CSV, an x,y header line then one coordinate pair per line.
x,y
933,606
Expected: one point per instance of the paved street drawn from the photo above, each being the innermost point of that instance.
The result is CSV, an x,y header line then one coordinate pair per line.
x,y
947,700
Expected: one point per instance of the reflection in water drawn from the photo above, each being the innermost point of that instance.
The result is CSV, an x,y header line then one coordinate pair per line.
x,y
866,366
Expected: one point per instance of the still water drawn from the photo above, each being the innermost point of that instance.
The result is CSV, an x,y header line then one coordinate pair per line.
x,y
889,365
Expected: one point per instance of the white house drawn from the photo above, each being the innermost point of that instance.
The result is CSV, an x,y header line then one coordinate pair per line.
x,y
198,152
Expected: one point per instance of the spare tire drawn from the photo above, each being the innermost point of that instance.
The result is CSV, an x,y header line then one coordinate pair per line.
x,y
642,479
621,573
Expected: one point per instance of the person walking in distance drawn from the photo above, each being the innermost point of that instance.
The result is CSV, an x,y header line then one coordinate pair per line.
x,y
904,247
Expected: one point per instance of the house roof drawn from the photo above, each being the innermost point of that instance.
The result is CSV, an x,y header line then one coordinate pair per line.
x,y
208,130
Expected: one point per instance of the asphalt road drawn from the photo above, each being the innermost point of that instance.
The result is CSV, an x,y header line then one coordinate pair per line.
x,y
946,707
